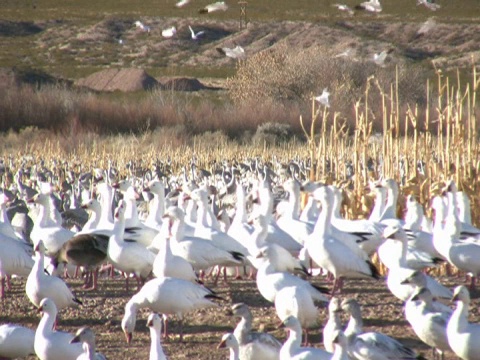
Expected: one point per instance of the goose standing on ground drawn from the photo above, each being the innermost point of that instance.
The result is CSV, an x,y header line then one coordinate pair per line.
x,y
40,285
371,345
201,253
53,345
297,301
167,296
397,274
253,345
292,350
16,341
129,257
340,343
230,341
270,280
14,260
421,280
333,324
462,335
155,323
86,337
331,254
370,5
86,250
429,324
156,207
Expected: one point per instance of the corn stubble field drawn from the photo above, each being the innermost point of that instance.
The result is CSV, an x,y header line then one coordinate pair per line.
x,y
441,133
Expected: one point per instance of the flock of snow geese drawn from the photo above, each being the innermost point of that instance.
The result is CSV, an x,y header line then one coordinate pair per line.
x,y
172,232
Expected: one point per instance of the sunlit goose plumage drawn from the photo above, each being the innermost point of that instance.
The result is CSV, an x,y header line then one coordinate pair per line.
x,y
389,214
156,207
311,210
15,259
86,337
218,6
270,280
462,335
368,234
6,227
129,257
421,280
465,255
167,296
289,221
400,271
168,265
155,323
105,195
230,341
16,341
371,345
53,345
429,324
53,235
333,324
292,350
297,301
331,254
340,343
275,233
253,345
210,230
380,199
371,5
201,253
40,285
239,228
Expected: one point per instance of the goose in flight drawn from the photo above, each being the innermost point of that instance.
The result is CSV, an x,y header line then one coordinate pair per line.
x,y
218,6
371,5
237,52
323,99
195,36
169,32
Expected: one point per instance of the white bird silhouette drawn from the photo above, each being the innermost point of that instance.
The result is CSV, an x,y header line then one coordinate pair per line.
x,y
235,53
371,5
379,58
170,32
343,7
182,3
196,36
142,26
429,4
323,99
218,6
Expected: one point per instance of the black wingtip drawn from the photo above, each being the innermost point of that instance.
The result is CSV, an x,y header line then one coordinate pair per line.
x,y
322,289
438,260
373,269
237,256
203,11
220,50
213,296
75,300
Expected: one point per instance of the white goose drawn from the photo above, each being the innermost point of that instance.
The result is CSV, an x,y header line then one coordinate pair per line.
x,y
398,273
292,350
14,260
156,207
40,285
333,324
129,257
166,296
53,345
168,265
371,345
230,341
429,324
462,335
201,253
86,337
270,281
217,6
253,345
53,235
297,301
155,323
340,343
331,254
16,341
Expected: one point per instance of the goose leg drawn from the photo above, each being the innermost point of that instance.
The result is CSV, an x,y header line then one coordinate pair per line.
x,y
2,289
181,329
473,280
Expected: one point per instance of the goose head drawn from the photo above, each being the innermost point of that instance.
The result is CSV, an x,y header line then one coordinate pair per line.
x,y
241,309
461,294
93,205
174,213
415,278
155,187
40,247
395,232
422,294
84,335
292,323
120,211
47,306
154,321
41,199
352,307
228,341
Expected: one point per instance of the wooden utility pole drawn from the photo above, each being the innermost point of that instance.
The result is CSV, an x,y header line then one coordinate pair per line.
x,y
243,13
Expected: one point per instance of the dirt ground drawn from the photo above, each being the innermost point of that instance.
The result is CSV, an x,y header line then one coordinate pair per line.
x,y
103,310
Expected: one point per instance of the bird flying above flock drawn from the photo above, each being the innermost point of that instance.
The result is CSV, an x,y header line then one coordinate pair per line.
x,y
235,53
218,6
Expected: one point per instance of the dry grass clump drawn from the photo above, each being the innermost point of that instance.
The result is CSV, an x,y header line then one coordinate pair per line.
x,y
284,77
